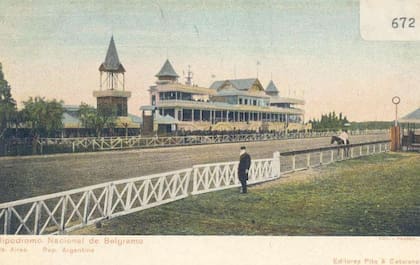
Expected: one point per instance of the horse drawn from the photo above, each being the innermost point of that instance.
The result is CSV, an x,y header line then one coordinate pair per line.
x,y
339,141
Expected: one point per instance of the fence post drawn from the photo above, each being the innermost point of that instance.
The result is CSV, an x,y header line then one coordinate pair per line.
x,y
361,149
37,218
351,152
367,149
195,174
374,148
63,215
332,155
380,147
187,183
160,193
8,221
109,201
128,199
276,164
72,146
294,162
86,208
320,157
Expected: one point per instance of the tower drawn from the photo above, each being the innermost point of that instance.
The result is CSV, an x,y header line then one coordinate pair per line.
x,y
167,74
271,89
112,97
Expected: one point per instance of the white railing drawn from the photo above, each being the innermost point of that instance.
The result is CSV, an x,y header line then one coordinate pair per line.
x,y
218,176
113,143
62,212
65,211
304,159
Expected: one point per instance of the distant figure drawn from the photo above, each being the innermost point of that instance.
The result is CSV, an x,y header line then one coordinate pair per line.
x,y
344,136
342,139
243,168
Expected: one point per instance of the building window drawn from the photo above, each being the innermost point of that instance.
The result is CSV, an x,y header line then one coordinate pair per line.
x,y
240,101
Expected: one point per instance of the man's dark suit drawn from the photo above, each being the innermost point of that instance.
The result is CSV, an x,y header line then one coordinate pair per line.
x,y
244,164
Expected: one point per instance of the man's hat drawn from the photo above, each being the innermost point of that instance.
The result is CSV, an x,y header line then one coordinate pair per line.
x,y
243,147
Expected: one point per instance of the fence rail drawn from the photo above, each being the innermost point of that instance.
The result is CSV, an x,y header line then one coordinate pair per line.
x,y
45,145
303,159
62,212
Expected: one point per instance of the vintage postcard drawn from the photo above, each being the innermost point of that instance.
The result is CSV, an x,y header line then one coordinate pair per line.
x,y
203,132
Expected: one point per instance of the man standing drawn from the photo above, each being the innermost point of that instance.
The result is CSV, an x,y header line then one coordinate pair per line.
x,y
243,168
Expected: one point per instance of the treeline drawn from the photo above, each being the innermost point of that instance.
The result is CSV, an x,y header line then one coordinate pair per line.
x,y
330,121
334,122
371,125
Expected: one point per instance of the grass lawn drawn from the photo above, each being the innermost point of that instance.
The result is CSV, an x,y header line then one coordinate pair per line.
x,y
376,195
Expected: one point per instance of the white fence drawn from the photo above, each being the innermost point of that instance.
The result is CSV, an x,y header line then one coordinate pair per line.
x,y
304,159
62,212
112,143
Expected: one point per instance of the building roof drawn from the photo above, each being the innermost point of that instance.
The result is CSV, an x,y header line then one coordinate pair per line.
x,y
70,122
271,87
217,84
185,88
243,84
240,84
112,62
167,70
277,99
413,117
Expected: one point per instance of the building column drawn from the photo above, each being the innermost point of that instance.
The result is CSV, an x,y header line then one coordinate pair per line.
x,y
176,113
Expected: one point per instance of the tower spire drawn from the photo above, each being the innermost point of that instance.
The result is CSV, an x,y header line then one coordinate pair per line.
x,y
112,78
113,69
167,74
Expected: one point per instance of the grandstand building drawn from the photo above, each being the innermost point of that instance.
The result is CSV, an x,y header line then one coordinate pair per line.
x,y
227,105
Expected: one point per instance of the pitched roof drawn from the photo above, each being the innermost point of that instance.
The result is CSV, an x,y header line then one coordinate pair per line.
x,y
167,70
271,87
217,84
70,121
240,84
243,84
413,117
112,62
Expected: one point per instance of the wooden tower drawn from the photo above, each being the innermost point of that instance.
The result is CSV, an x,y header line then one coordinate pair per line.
x,y
112,97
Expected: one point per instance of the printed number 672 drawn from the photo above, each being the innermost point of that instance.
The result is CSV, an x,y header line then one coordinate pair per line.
x,y
403,22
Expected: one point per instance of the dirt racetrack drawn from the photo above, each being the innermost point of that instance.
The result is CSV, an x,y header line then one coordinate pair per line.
x,y
23,177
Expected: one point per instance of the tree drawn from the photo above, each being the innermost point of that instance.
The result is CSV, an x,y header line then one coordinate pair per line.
x,y
97,120
8,109
43,116
330,121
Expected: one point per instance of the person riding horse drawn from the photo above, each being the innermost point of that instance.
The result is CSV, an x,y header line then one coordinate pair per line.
x,y
342,139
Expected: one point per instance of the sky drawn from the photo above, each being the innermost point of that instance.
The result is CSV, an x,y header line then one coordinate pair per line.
x,y
311,49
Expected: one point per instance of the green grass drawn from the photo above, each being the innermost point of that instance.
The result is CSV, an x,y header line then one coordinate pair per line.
x,y
376,195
